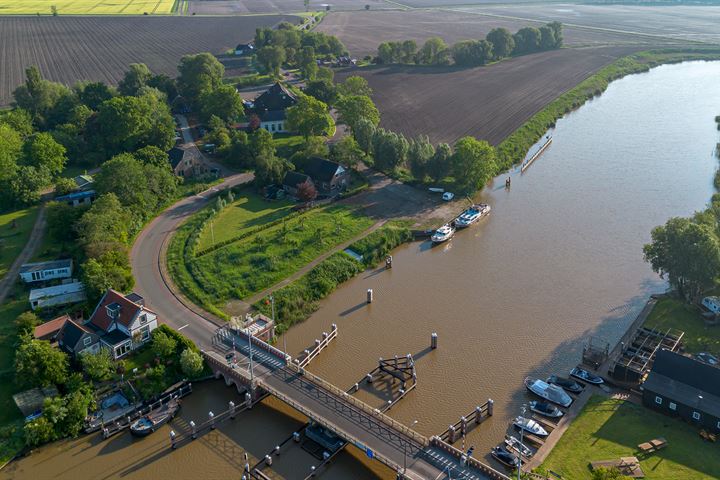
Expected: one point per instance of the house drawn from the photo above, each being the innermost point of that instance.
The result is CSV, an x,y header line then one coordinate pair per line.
x,y
684,387
42,271
84,182
76,199
712,304
244,49
123,322
76,338
330,178
186,162
270,107
64,294
293,180
49,330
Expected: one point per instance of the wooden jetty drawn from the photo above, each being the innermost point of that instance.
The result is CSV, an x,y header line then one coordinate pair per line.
x,y
535,156
466,423
545,422
534,439
320,345
401,369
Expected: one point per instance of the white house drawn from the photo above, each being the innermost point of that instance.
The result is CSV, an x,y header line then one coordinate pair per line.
x,y
41,271
64,294
712,304
122,322
270,107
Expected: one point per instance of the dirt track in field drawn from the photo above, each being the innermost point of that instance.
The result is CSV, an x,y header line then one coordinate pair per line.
x,y
69,49
485,102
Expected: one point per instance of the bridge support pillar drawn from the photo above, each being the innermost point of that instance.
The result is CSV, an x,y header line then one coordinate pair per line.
x,y
433,340
211,418
463,425
490,406
478,414
172,439
452,434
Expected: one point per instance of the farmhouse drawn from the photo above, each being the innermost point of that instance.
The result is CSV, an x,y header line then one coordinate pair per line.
x,y
330,178
270,107
293,180
185,162
58,295
684,387
76,199
244,49
122,322
42,271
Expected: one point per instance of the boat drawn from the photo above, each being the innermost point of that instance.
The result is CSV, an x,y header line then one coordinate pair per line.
x,y
551,393
443,234
567,384
530,426
436,190
472,215
147,424
545,409
505,457
514,445
586,376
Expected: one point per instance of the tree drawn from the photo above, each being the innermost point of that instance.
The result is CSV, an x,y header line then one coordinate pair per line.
x,y
473,164
164,84
315,147
347,152
64,185
354,107
271,58
106,222
110,269
363,132
39,96
19,120
224,102
39,364
557,33
98,366
191,363
261,144
527,40
420,153
124,176
325,73
386,53
470,53
135,78
408,51
198,74
44,153
306,191
309,116
306,63
162,344
323,90
389,149
93,94
686,253
434,52
355,85
547,38
152,155
270,169
26,184
10,148
26,322
502,41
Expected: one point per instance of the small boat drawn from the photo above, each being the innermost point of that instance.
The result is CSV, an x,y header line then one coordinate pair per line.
x,y
545,409
586,376
472,215
147,424
514,445
443,234
436,190
505,457
708,358
530,426
567,384
551,393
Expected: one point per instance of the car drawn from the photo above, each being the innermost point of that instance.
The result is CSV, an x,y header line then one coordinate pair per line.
x,y
447,196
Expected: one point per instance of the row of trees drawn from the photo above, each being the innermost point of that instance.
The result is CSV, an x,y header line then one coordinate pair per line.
x,y
499,43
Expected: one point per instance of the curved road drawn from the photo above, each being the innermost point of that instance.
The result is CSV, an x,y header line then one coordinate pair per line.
x,y
148,253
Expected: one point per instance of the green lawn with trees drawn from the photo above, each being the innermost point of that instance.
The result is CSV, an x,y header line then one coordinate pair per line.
x,y
674,313
15,228
608,429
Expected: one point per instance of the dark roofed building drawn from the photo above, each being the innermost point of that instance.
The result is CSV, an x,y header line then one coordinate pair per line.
x,y
330,178
270,107
75,338
49,330
244,49
185,162
292,180
682,386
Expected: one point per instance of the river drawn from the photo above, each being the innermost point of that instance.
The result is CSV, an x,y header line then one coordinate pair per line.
x,y
558,260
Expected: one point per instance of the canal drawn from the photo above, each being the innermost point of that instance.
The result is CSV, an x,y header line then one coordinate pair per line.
x,y
558,260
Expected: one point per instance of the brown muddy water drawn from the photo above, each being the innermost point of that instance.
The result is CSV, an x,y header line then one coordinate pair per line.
x,y
559,259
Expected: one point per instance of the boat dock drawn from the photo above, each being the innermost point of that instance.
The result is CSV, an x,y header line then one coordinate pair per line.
x,y
526,164
467,422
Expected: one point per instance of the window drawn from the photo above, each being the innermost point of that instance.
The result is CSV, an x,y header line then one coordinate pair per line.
x,y
696,415
143,319
87,341
122,350
673,406
658,400
145,333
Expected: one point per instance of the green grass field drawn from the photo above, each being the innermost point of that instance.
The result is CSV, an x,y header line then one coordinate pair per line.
x,y
674,313
609,429
86,7
12,240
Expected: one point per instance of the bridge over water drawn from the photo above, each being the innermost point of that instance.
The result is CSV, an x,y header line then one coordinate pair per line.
x,y
412,455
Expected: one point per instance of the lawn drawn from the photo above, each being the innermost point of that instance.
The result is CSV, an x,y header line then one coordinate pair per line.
x,y
86,7
12,240
674,313
609,428
246,212
287,144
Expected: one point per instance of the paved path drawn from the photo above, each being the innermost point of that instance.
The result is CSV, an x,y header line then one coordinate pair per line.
x,y
28,251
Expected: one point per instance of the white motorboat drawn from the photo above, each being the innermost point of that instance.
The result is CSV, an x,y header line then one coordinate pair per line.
x,y
443,234
472,215
551,393
514,445
530,426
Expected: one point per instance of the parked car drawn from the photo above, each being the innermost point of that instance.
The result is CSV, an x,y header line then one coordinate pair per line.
x,y
447,196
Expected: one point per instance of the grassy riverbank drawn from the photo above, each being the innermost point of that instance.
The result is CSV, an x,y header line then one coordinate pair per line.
x,y
513,149
609,429
674,313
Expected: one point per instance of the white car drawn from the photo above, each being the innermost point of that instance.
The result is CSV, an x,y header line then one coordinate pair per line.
x,y
447,196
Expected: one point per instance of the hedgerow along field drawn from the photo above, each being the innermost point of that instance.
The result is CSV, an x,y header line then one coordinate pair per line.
x,y
86,7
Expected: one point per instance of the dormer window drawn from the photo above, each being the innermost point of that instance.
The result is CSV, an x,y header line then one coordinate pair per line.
x,y
113,310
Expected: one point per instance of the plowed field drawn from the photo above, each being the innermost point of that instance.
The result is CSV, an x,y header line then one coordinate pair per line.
x,y
236,7
68,49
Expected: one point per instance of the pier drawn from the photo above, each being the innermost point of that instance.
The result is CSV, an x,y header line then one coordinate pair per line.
x,y
320,345
467,422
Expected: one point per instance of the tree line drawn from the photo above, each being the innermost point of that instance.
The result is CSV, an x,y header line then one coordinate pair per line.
x,y
499,43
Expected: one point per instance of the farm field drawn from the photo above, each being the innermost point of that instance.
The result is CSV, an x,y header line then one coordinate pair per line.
x,y
486,102
235,7
86,7
362,32
608,429
69,49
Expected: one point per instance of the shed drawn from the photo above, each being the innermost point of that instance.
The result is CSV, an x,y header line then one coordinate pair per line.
x,y
42,271
31,401
76,199
293,180
57,295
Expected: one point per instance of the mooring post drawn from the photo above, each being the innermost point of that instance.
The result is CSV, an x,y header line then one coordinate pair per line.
x,y
463,425
268,460
172,439
357,387
433,340
296,437
277,449
490,405
193,430
231,407
317,343
478,414
248,400
369,377
388,261
211,417
333,327
369,295
452,434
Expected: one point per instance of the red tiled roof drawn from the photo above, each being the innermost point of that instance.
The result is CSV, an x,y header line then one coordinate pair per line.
x,y
128,310
48,328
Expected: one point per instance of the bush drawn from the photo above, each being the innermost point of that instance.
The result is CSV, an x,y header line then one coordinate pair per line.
x,y
162,344
378,244
191,363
